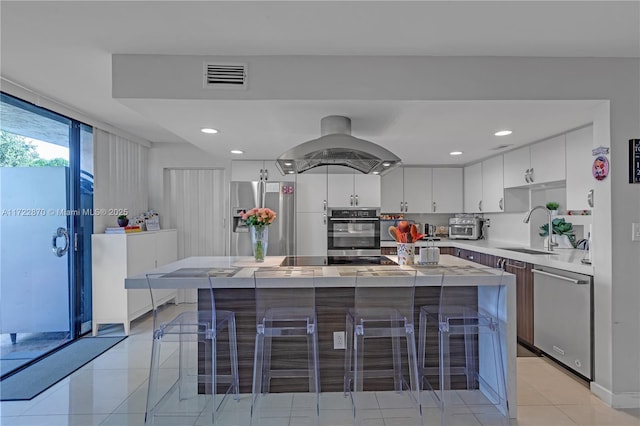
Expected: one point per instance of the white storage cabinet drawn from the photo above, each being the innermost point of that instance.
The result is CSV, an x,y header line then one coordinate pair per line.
x,y
579,162
115,257
311,215
353,190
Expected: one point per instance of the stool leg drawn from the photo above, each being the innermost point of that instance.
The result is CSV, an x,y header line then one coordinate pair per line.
x,y
257,372
358,370
214,380
348,355
233,353
266,358
153,378
445,376
413,368
397,357
470,343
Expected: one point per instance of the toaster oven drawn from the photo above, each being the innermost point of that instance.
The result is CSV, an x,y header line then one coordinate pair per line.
x,y
465,228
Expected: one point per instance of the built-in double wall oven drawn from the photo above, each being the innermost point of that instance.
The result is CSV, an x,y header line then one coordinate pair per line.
x,y
353,232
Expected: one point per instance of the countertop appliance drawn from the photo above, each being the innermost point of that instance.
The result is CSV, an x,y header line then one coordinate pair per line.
x,y
562,317
336,260
353,232
279,197
465,228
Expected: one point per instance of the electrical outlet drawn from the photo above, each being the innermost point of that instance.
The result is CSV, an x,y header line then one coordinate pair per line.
x,y
338,340
635,232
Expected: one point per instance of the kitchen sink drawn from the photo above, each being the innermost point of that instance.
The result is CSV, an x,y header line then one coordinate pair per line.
x,y
525,250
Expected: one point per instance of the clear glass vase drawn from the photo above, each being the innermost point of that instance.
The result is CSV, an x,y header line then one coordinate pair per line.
x,y
259,241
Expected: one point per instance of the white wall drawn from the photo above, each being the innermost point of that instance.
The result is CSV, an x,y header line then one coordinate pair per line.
x,y
616,81
508,228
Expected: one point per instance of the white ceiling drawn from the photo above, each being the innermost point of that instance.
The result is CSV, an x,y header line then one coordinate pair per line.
x,y
63,50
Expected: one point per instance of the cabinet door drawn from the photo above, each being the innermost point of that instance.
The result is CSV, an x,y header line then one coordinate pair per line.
x,y
579,162
311,234
447,190
141,257
166,246
492,185
366,189
246,171
524,298
391,188
311,193
473,188
548,160
516,164
418,193
340,190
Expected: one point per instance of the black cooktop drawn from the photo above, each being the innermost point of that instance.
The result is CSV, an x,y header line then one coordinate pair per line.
x,y
336,260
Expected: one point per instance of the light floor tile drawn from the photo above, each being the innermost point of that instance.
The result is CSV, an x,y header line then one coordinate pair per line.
x,y
541,415
111,390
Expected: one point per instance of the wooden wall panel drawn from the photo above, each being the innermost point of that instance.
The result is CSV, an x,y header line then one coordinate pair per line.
x,y
331,305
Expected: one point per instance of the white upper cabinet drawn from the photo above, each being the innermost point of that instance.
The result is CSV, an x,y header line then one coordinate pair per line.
x,y
253,170
579,161
418,192
447,190
353,190
541,162
548,160
492,185
473,188
517,165
311,193
408,190
392,191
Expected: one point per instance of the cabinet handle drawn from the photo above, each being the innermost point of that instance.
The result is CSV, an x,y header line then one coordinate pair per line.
x,y
590,198
480,205
531,175
526,175
356,200
434,206
261,174
560,277
351,200
470,257
511,265
406,206
501,204
324,205
324,219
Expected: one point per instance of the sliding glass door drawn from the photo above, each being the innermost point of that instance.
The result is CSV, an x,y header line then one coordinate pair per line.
x,y
46,164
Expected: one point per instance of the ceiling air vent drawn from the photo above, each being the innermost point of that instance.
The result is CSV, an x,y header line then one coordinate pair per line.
x,y
225,76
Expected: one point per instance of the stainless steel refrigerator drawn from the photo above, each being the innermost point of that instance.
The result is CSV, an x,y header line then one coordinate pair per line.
x,y
279,197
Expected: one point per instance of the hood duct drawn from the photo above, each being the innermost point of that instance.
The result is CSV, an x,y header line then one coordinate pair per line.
x,y
336,147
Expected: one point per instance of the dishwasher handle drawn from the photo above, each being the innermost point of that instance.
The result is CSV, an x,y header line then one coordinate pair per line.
x,y
560,277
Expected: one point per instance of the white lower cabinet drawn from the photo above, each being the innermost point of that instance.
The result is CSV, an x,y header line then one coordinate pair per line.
x,y
115,257
311,234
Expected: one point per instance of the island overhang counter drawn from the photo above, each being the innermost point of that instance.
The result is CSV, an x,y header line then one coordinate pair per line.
x,y
233,282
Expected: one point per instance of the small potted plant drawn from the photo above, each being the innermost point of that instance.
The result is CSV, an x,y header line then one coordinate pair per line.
x,y
553,206
123,220
562,233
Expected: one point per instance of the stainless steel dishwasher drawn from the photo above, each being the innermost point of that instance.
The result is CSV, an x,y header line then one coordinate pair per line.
x,y
562,317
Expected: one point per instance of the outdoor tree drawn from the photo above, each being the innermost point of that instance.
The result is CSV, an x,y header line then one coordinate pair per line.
x,y
17,151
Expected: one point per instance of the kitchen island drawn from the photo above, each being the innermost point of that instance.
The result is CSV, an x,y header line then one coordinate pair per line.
x,y
232,278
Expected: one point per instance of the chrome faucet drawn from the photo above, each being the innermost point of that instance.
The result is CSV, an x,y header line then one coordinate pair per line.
x,y
550,243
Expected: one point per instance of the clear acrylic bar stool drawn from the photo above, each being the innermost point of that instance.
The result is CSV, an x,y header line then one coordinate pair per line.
x,y
285,310
471,385
184,389
383,310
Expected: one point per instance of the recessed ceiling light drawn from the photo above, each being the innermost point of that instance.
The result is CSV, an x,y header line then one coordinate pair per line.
x,y
503,133
376,172
291,172
209,130
386,164
288,163
455,153
237,151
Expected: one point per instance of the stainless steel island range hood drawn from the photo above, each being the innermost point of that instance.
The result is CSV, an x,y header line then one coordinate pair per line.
x,y
336,147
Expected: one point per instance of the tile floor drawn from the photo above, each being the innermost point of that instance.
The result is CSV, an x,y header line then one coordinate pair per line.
x,y
111,390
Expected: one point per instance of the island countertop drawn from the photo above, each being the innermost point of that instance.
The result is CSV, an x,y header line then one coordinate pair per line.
x,y
237,272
